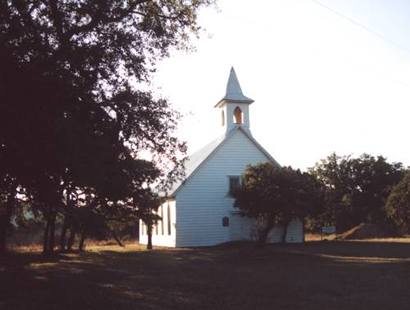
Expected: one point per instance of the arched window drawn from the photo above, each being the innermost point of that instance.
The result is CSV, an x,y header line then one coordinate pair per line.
x,y
223,118
237,116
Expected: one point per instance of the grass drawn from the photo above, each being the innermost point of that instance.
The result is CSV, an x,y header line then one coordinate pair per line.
x,y
316,275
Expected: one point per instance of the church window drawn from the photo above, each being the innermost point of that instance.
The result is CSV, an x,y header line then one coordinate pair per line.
x,y
237,116
234,184
169,218
223,117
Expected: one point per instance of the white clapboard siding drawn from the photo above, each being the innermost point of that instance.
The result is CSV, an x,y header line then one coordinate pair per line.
x,y
203,200
241,228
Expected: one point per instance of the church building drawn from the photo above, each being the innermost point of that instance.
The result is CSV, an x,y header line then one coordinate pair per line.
x,y
199,210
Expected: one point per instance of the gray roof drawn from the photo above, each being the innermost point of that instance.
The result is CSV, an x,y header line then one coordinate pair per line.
x,y
195,160
233,90
198,158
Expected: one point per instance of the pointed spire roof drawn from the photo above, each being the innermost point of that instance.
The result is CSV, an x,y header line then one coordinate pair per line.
x,y
234,91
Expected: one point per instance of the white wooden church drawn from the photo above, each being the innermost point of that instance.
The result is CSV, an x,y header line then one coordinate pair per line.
x,y
199,210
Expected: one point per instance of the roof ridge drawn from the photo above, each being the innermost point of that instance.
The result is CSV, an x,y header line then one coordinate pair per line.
x,y
218,144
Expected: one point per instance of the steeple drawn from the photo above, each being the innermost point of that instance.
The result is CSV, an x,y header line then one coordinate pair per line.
x,y
234,106
234,90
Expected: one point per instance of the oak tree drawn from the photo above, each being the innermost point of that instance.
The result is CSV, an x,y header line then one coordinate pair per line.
x,y
75,100
276,195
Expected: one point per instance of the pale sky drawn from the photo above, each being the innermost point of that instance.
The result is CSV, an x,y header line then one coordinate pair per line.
x,y
320,82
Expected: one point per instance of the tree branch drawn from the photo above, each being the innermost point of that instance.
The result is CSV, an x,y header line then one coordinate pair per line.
x,y
58,22
97,19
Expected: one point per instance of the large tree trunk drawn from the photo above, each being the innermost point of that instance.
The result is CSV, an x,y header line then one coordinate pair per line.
x,y
63,241
263,236
52,232
149,234
46,237
285,231
49,233
71,239
81,245
264,232
114,235
67,221
5,223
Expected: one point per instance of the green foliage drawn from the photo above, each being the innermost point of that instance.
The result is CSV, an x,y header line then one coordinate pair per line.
x,y
356,189
277,195
398,204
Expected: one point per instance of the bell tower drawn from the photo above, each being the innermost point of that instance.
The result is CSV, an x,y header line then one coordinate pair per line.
x,y
234,106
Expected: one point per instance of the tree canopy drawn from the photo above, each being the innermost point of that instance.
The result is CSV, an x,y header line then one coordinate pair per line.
x,y
398,204
356,189
75,114
276,195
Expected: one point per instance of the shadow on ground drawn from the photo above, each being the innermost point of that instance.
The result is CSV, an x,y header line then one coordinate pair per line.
x,y
363,249
330,275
